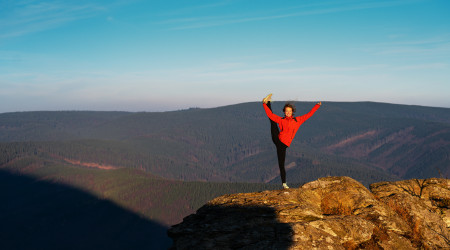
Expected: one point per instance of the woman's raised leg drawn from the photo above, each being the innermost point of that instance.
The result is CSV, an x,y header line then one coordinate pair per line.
x,y
274,130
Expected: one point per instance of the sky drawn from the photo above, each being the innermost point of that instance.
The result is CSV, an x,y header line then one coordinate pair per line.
x,y
162,55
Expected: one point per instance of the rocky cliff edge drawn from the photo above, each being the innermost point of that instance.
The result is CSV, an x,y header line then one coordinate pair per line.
x,y
329,213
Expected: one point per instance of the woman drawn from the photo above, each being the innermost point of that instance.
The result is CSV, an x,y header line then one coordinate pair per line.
x,y
288,126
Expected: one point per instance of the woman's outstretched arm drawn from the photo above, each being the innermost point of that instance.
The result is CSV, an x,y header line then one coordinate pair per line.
x,y
305,117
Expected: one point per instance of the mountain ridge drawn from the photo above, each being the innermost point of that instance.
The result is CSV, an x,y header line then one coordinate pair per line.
x,y
374,141
197,154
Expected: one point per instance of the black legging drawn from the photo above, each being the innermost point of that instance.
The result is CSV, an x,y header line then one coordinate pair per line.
x,y
281,147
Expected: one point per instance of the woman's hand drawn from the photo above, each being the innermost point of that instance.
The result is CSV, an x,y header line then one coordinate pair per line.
x,y
319,103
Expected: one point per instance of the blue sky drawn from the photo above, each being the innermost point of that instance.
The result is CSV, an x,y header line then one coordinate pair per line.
x,y
135,55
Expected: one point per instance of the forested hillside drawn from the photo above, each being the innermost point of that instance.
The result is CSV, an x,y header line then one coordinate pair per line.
x,y
152,169
367,141
53,204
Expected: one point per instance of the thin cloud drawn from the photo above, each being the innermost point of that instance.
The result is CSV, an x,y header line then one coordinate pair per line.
x,y
215,73
415,48
191,9
437,66
432,46
26,17
295,11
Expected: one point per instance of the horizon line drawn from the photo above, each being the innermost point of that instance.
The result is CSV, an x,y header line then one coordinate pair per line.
x,y
212,107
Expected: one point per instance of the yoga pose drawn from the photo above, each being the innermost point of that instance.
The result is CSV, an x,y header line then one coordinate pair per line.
x,y
288,126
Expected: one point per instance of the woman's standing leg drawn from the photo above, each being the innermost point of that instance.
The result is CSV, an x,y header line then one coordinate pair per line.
x,y
281,153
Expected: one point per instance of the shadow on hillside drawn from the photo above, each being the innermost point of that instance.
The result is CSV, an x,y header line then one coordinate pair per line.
x,y
41,215
232,227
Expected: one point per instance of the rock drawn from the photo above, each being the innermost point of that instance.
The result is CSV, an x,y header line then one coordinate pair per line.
x,y
329,213
423,205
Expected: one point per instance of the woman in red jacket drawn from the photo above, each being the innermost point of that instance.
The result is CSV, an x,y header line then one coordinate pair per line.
x,y
288,126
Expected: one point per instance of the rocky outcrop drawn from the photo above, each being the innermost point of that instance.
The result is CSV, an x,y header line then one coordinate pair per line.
x,y
423,205
329,213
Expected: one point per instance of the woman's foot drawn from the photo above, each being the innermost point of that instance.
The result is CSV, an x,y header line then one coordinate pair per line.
x,y
285,186
267,98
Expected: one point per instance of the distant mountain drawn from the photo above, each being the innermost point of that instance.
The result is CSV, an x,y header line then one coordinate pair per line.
x,y
156,168
367,141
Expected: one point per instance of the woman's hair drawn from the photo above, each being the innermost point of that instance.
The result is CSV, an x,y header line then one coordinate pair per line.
x,y
289,105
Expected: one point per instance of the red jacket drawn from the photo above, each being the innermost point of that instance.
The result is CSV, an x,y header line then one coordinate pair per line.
x,y
289,125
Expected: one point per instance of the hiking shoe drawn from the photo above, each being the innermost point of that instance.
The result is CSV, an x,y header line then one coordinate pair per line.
x,y
267,98
285,186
